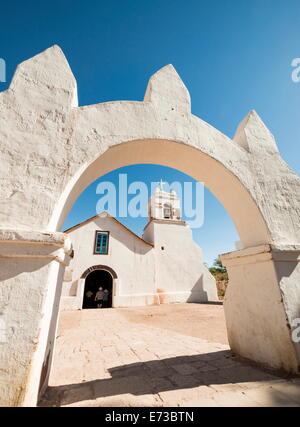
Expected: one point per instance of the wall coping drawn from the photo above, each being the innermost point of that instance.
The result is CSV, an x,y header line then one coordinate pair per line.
x,y
58,239
267,252
35,244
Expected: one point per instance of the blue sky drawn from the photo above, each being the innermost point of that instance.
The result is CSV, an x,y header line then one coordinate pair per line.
x,y
232,55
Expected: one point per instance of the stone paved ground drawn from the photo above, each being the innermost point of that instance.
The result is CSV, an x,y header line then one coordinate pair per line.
x,y
157,356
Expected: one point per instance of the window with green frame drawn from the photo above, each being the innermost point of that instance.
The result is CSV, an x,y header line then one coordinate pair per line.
x,y
101,242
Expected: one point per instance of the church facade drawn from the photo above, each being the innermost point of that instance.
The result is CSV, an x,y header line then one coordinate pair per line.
x,y
165,265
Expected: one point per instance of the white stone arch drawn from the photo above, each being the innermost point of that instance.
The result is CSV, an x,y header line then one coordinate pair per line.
x,y
51,150
228,189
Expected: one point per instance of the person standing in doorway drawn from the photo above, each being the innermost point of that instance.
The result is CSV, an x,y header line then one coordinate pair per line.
x,y
105,298
89,299
99,298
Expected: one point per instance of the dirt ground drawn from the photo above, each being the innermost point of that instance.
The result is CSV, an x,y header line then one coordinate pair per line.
x,y
205,321
167,355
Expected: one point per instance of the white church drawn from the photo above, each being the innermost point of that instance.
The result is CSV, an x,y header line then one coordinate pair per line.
x,y
165,265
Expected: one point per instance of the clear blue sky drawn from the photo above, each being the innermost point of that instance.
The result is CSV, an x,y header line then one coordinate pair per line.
x,y
233,55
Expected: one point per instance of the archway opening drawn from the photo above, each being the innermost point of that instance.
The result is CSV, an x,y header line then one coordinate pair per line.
x,y
226,186
98,290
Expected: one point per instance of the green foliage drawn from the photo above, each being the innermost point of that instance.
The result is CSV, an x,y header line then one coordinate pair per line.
x,y
221,293
219,271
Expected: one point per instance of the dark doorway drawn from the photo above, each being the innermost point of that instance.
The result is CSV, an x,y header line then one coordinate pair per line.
x,y
95,280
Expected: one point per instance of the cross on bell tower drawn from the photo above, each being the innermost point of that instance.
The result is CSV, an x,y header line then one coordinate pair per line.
x,y
161,184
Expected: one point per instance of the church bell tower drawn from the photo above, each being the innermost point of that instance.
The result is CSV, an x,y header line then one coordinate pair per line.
x,y
164,205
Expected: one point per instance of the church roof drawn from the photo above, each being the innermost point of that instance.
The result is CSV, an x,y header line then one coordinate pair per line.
x,y
106,215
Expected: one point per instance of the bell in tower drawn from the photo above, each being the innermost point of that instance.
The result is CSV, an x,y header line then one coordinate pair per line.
x,y
164,205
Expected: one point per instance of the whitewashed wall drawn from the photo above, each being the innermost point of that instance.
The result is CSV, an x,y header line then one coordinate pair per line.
x,y
181,274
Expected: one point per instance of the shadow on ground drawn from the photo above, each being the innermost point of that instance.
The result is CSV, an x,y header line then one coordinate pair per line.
x,y
157,376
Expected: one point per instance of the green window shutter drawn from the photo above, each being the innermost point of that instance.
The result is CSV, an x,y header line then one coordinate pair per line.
x,y
101,243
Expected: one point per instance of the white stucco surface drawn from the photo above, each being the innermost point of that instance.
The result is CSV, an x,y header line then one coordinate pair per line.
x,y
30,275
51,149
181,274
251,294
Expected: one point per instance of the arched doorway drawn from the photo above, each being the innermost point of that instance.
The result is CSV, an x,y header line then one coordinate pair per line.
x,y
94,281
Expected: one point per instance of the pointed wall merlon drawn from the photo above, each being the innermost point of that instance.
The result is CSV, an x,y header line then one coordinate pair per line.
x,y
46,81
166,89
253,135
